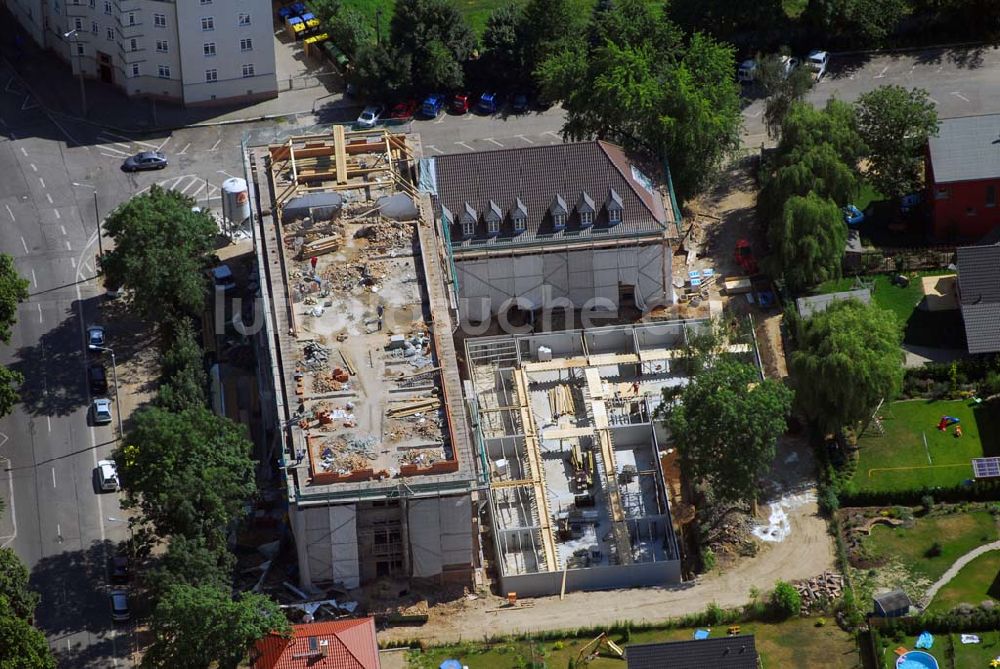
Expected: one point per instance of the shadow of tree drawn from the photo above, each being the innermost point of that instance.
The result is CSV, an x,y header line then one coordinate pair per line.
x,y
844,67
73,591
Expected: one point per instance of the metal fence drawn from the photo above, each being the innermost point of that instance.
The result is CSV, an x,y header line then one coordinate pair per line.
x,y
878,261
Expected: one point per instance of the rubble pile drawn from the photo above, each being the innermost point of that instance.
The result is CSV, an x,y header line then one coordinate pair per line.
x,y
384,234
315,356
819,590
343,456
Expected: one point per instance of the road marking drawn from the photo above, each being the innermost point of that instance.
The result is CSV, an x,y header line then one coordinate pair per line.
x,y
200,189
490,139
184,150
47,196
525,139
68,247
34,280
110,155
61,227
34,168
10,483
42,181
882,73
40,319
58,216
440,119
48,422
466,146
73,260
556,135
193,181
59,536
437,150
231,176
24,244
216,145
53,469
10,212
960,96
115,153
87,266
163,143
23,152
28,103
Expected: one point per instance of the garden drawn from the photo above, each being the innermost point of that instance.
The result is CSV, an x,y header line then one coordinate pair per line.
x,y
948,649
977,583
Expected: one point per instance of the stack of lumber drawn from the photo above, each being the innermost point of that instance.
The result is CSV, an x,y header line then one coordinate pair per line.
x,y
318,247
415,407
561,400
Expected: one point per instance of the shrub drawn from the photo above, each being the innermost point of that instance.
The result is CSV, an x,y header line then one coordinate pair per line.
x,y
934,550
820,622
714,615
828,502
707,559
785,600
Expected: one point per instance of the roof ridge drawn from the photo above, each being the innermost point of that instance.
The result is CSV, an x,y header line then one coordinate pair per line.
x,y
628,179
521,149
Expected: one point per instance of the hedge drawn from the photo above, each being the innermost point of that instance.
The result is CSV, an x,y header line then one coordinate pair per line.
x,y
979,620
985,490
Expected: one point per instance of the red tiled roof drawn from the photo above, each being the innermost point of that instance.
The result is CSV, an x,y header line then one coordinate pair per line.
x,y
339,644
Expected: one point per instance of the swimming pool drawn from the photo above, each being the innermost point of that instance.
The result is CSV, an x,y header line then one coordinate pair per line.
x,y
917,659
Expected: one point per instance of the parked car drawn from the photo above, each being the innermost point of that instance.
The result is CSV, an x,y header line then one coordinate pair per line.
x,y
95,337
743,255
145,160
488,103
747,71
853,216
403,111
222,277
119,606
370,116
520,103
432,106
119,568
97,378
460,103
788,65
817,62
107,475
101,408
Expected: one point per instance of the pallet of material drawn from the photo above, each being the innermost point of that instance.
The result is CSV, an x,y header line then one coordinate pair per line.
x,y
422,406
737,285
321,246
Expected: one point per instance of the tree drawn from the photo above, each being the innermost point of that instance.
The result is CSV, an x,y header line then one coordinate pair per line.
x,y
189,472
549,28
725,423
193,561
162,249
10,381
14,585
182,379
503,61
742,23
202,627
380,72
785,600
863,23
436,38
896,123
13,291
808,241
781,90
21,645
848,359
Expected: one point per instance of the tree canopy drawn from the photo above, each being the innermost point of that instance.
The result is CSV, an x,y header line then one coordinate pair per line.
x,y
13,291
14,584
189,472
808,241
195,562
182,379
848,359
855,22
162,249
896,123
21,645
203,627
725,424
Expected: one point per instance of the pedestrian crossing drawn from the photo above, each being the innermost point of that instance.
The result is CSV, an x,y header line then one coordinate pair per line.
x,y
113,145
191,185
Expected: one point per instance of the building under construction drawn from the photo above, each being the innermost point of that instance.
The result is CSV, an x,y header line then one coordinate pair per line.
x,y
580,489
358,363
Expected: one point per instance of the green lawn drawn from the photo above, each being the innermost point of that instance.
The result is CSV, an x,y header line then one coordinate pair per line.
x,y
900,461
977,582
794,643
965,656
958,533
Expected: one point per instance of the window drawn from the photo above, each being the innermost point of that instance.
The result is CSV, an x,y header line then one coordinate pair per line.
x,y
164,72
133,45
208,23
93,3
244,19
111,34
161,46
107,7
79,48
468,227
614,216
248,70
78,23
559,220
493,226
519,223
991,196
246,44
131,18
209,48
211,75
586,218
206,2
135,69
941,194
159,20
93,27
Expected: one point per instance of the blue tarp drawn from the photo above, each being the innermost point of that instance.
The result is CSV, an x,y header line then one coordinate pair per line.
x,y
925,640
450,664
701,634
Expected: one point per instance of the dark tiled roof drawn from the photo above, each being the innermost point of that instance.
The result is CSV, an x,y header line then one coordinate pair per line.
x,y
732,652
966,149
893,600
540,176
979,296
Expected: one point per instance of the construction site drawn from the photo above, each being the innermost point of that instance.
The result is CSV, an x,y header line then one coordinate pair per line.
x,y
367,400
581,479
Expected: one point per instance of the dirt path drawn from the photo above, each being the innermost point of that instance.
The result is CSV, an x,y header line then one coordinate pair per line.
x,y
808,551
954,569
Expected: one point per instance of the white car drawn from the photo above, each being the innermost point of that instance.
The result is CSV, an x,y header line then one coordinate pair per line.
x,y
107,473
102,411
789,64
817,62
747,71
370,116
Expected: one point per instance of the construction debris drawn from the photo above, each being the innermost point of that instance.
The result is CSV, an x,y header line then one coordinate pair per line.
x,y
820,590
561,401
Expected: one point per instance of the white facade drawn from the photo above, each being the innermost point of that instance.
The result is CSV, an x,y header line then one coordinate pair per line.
x,y
193,51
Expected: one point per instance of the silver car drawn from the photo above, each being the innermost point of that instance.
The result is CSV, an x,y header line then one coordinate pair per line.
x,y
102,411
145,160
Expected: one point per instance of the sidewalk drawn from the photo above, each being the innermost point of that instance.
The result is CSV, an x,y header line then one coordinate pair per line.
x,y
52,84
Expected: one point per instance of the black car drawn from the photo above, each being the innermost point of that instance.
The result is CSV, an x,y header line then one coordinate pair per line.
x,y
97,377
520,104
119,568
146,160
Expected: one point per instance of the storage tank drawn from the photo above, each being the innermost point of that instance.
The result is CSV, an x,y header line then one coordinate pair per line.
x,y
235,201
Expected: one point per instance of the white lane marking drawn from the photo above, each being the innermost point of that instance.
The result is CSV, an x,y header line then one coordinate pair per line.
x,y
58,216
197,192
68,247
116,153
173,186
59,532
34,168
73,260
24,244
440,119
123,144
882,73
28,103
433,148
193,181
10,212
959,96
87,266
47,196
33,279
184,150
111,155
466,146
48,422
556,135
61,227
42,181
216,145
53,477
525,139
232,176
13,515
40,320
23,152
163,144
490,139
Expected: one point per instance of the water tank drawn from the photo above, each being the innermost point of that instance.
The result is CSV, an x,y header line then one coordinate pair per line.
x,y
235,201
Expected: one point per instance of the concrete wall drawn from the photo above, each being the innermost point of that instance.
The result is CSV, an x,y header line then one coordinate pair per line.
x,y
594,578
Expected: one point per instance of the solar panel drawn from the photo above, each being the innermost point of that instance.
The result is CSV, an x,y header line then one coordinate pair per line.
x,y
984,468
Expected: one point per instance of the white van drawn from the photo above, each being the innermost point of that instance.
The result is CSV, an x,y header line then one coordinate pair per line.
x,y
817,62
107,475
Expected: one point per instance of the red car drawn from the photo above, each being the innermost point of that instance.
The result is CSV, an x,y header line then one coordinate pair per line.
x,y
743,255
460,103
404,111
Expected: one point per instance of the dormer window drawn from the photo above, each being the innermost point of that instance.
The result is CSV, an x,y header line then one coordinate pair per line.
x,y
469,218
468,228
558,210
586,219
493,217
559,220
614,216
493,227
519,215
615,206
520,223
585,208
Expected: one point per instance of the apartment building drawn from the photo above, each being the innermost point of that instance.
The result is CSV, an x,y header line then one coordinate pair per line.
x,y
194,52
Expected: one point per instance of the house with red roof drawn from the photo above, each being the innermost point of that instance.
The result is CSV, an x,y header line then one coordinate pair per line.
x,y
336,644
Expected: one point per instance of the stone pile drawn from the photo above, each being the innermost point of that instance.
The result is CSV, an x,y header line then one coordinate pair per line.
x,y
819,590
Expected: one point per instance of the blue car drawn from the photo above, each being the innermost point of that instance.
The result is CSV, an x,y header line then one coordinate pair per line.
x,y
432,106
853,216
488,103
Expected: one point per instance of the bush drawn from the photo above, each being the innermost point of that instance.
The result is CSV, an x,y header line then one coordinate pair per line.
x,y
828,502
934,551
785,600
714,615
707,559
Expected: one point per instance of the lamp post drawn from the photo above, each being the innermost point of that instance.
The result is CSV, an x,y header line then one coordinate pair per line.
x,y
114,372
79,66
97,215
